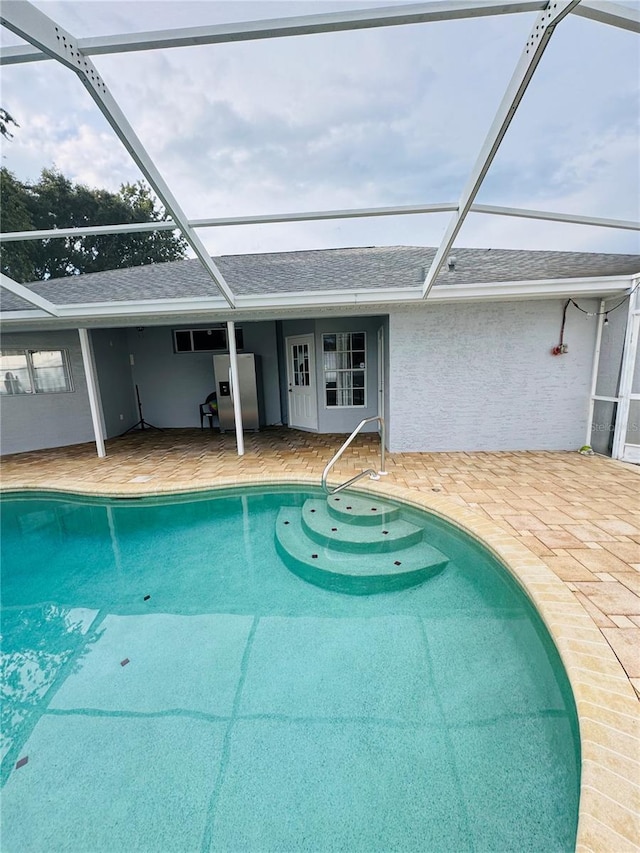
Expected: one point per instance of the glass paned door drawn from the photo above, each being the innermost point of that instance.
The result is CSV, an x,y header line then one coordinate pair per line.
x,y
303,404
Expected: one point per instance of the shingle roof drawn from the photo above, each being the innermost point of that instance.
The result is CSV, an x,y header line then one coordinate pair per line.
x,y
325,269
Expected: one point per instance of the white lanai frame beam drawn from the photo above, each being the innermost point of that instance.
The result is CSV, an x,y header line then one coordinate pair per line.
x,y
308,216
28,295
536,44
34,26
610,13
351,19
414,13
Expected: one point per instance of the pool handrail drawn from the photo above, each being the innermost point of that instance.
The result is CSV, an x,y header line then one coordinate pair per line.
x,y
374,475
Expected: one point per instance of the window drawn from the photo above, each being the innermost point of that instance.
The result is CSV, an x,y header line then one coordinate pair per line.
x,y
34,372
204,340
344,362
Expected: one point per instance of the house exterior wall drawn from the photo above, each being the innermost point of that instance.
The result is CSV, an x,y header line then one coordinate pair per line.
x,y
337,419
481,377
172,385
111,353
36,421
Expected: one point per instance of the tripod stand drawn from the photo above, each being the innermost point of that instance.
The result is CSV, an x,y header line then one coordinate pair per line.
x,y
141,423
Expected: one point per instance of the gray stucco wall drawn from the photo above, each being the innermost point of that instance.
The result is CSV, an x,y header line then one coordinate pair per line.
x,y
172,385
111,353
481,376
36,421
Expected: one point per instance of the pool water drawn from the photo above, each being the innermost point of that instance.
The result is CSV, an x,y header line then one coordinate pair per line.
x,y
174,687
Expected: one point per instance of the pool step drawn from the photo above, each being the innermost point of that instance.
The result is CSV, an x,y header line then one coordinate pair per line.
x,y
360,509
388,533
337,559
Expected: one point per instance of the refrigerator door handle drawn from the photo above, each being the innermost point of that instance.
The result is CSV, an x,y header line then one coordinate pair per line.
x,y
230,385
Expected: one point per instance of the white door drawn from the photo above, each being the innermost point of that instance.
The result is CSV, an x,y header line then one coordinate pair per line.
x,y
301,376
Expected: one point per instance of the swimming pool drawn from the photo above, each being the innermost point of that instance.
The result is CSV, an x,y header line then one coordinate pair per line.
x,y
175,686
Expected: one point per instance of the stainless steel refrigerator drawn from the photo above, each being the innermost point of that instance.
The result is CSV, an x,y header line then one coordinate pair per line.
x,y
250,391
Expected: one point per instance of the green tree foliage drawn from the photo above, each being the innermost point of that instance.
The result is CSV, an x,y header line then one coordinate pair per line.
x,y
56,202
5,120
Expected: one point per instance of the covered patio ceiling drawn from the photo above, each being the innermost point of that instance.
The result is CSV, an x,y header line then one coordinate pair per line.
x,y
47,40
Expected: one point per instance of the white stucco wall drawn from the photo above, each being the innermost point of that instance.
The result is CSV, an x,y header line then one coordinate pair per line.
x,y
481,377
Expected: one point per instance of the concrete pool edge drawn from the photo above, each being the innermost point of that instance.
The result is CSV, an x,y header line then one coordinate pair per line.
x,y
606,702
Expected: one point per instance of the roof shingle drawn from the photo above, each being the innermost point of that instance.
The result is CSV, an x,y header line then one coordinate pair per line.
x,y
321,270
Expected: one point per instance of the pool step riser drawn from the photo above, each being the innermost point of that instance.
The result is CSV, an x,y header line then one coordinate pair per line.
x,y
364,585
359,511
378,543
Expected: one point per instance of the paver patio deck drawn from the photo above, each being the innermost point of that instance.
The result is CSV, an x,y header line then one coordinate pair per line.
x,y
567,525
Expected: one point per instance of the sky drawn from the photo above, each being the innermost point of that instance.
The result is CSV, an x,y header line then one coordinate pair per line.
x,y
390,116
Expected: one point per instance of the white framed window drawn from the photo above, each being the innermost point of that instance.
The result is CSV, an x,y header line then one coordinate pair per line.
x,y
344,357
34,371
205,340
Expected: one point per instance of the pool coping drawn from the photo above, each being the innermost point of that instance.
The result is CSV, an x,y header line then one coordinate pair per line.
x,y
607,705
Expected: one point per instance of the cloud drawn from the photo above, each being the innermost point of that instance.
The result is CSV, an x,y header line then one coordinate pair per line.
x,y
378,117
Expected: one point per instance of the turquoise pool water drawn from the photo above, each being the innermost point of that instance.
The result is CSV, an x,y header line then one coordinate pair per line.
x,y
256,712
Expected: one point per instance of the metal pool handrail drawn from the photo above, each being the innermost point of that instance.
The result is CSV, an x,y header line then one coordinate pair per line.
x,y
374,475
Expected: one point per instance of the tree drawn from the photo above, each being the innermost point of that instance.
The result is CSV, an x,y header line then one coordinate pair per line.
x,y
5,120
56,202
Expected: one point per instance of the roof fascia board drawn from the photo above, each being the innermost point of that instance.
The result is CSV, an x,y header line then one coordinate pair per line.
x,y
609,13
28,295
530,57
9,317
495,291
355,19
541,289
402,210
28,22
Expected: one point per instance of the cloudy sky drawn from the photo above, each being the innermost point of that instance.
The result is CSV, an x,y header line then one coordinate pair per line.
x,y
389,116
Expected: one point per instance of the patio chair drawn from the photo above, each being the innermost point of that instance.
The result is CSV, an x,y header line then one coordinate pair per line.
x,y
209,409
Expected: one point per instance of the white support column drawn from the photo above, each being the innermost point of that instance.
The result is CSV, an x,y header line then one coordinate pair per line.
x,y
541,32
235,384
29,23
594,371
92,389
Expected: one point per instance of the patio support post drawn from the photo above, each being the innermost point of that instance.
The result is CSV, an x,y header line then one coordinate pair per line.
x,y
92,389
235,384
594,371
